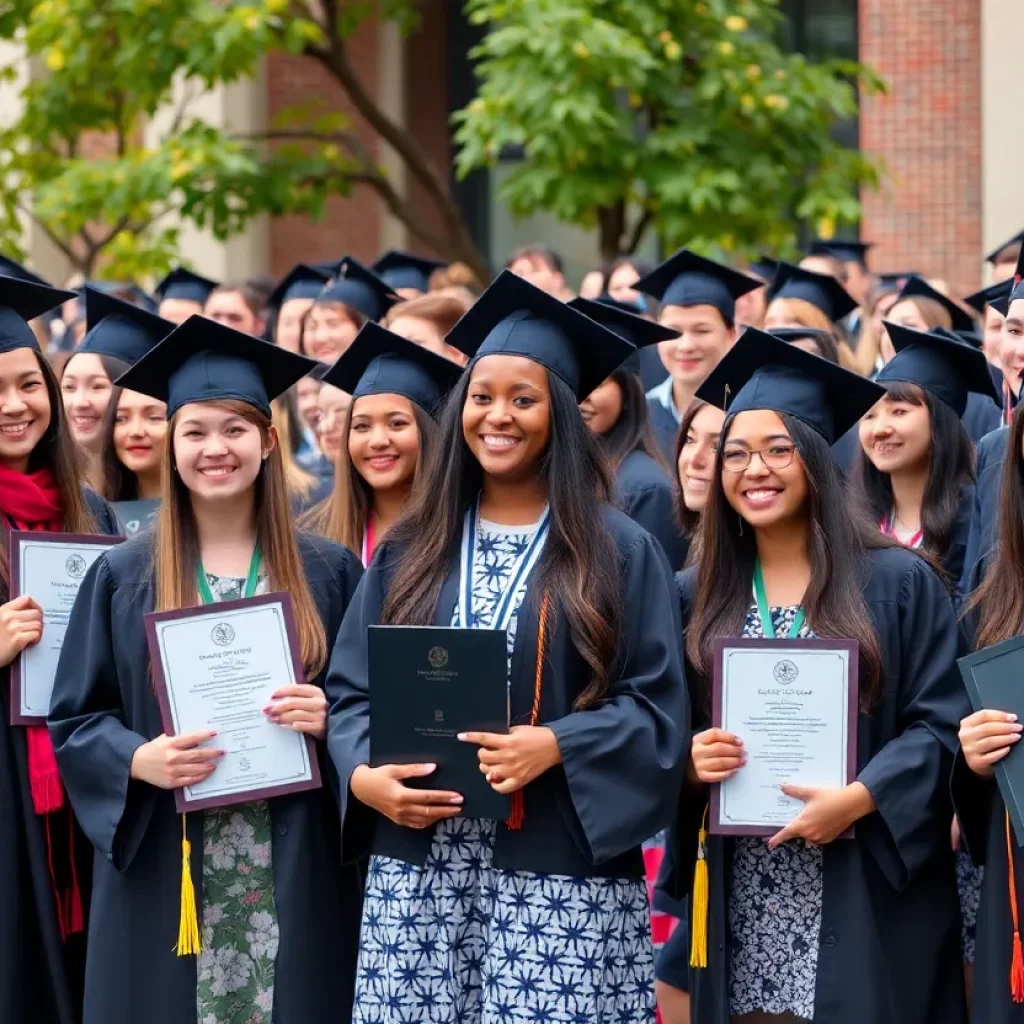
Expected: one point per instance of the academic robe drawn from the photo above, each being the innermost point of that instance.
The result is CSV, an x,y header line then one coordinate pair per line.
x,y
959,538
984,519
104,709
40,974
647,363
981,416
622,761
889,949
647,495
666,429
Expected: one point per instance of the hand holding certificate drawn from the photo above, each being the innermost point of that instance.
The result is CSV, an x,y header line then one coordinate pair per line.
x,y
216,669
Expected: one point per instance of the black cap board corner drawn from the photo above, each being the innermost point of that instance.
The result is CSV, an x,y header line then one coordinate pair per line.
x,y
822,291
359,287
185,285
845,250
399,269
12,268
118,328
918,287
1018,280
989,295
301,282
22,300
687,279
1016,239
624,321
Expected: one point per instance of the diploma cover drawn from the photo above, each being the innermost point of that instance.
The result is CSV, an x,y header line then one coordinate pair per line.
x,y
49,568
427,685
993,681
794,704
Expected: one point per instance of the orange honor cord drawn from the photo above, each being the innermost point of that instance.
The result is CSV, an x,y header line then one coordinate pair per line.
x,y
1017,962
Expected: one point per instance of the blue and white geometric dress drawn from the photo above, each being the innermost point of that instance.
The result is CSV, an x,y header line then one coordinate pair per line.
x,y
459,941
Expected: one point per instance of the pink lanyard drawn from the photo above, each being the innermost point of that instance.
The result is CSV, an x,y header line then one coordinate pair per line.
x,y
888,528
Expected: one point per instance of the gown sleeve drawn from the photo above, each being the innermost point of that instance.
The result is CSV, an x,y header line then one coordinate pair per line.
x,y
653,507
909,777
623,759
91,739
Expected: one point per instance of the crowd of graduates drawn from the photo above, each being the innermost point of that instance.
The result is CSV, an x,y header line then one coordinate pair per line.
x,y
617,479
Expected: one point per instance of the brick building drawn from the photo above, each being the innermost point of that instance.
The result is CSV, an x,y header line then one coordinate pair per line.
x,y
945,134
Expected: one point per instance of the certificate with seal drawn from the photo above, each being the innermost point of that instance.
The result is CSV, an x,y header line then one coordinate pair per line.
x,y
215,668
794,704
49,568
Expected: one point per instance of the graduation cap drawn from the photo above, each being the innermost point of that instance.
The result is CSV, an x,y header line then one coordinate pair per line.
x,y
513,317
943,365
1016,240
990,295
12,268
358,287
762,372
687,279
406,270
1018,280
624,320
301,282
185,285
131,292
918,288
21,301
841,249
765,267
821,290
120,329
206,361
380,362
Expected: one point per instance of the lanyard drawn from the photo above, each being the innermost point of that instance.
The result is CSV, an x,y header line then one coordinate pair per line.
x,y
767,626
502,614
888,527
251,581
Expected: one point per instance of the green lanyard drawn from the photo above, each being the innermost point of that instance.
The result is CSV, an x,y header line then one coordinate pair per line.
x,y
767,626
251,581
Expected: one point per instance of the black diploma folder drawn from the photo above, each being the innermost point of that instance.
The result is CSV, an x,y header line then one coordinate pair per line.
x,y
994,678
427,685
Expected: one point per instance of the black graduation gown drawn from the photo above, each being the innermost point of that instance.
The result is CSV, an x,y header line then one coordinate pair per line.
x,y
984,515
622,761
40,974
646,362
981,416
955,555
647,495
666,429
103,710
889,950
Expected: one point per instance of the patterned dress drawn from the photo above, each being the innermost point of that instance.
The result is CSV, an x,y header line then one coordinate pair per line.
x,y
774,906
459,941
235,970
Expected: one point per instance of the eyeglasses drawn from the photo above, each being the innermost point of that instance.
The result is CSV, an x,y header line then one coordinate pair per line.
x,y
778,456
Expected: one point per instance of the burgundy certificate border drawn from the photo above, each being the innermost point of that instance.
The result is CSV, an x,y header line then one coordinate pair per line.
x,y
715,826
14,564
182,803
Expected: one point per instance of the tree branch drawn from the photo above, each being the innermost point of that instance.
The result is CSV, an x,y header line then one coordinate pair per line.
x,y
643,222
68,252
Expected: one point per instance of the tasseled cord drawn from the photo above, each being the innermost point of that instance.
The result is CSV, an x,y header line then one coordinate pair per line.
x,y
1017,962
517,813
189,941
699,900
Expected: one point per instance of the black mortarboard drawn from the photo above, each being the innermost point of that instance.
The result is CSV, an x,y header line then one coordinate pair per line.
x,y
1017,239
21,301
1017,280
945,366
356,286
205,361
687,279
894,281
764,267
842,249
762,372
791,334
990,295
405,270
301,282
11,268
130,292
120,329
380,362
184,284
515,318
821,290
918,288
623,318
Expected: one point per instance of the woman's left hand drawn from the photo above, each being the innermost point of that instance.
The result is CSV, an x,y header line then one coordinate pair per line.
x,y
827,813
511,761
302,708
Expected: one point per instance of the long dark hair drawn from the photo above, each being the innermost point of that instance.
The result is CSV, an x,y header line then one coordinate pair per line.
x,y
119,482
837,538
632,431
950,468
579,565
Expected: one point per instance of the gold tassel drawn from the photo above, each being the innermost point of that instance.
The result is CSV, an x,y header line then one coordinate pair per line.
x,y
699,901
189,941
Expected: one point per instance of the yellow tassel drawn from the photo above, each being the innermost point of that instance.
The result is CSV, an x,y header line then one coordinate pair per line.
x,y
699,901
189,941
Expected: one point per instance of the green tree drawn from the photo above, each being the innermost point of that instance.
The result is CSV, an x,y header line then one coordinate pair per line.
x,y
78,163
668,115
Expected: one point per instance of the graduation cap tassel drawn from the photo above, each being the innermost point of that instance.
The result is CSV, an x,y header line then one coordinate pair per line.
x,y
699,900
189,941
1017,962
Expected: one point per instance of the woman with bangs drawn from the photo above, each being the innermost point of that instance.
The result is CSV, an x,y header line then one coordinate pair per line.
x,y
278,915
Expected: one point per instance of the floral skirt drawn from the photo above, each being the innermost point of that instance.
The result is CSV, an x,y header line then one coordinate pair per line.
x,y
459,941
968,884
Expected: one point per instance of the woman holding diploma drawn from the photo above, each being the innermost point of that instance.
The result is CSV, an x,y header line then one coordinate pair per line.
x,y
396,387
808,925
45,861
545,913
254,890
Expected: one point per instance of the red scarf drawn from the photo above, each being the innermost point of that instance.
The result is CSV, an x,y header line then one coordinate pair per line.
x,y
32,501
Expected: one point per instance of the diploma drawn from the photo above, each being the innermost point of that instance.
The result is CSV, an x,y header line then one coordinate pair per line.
x,y
49,568
215,668
793,704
